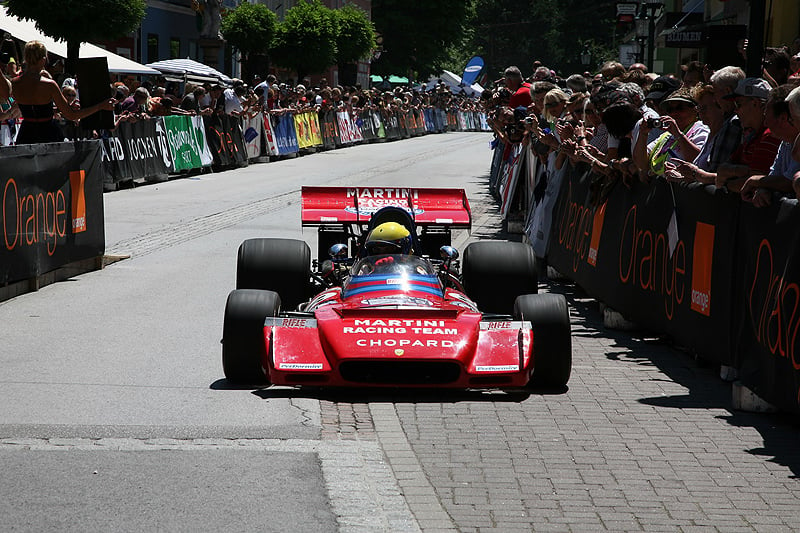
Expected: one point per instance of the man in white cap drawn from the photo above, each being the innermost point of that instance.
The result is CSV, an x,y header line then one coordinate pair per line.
x,y
778,118
759,146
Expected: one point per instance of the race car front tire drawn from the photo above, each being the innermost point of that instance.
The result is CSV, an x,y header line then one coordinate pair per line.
x,y
496,272
280,265
552,338
243,345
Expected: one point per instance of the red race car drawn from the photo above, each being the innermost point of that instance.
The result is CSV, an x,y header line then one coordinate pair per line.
x,y
401,310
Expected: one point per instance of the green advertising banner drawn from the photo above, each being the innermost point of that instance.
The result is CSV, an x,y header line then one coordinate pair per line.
x,y
187,142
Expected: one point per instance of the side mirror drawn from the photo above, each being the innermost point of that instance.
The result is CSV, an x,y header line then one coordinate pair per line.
x,y
338,252
448,253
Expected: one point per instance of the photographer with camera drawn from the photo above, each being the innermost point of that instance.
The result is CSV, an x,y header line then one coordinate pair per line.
x,y
683,138
520,90
756,155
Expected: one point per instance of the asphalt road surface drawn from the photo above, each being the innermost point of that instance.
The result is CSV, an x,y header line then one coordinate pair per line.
x,y
116,416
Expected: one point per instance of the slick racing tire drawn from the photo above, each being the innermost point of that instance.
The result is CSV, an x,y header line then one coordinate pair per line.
x,y
280,265
552,338
243,345
496,272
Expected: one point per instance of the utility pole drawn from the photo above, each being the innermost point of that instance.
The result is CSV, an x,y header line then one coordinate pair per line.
x,y
755,39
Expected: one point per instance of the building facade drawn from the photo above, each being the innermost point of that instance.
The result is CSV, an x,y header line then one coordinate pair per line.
x,y
711,31
171,29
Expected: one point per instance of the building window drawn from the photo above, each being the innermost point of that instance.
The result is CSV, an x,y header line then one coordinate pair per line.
x,y
152,47
174,48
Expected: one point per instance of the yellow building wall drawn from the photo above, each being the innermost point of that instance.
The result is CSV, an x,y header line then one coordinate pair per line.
x,y
784,24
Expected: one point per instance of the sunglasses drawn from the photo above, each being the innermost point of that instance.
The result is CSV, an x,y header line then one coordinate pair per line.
x,y
552,104
677,107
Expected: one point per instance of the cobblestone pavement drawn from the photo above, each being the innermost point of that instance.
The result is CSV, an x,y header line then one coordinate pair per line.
x,y
643,440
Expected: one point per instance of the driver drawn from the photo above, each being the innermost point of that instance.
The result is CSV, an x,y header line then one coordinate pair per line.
x,y
388,238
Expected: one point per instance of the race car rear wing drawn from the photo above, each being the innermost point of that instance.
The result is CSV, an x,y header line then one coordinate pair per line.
x,y
342,205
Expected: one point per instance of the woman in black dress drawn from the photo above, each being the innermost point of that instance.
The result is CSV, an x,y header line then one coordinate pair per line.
x,y
36,93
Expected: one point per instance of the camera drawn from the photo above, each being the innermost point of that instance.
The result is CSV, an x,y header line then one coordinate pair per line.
x,y
530,120
515,132
654,123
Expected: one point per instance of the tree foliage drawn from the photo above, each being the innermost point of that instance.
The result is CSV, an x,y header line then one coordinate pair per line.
x,y
306,39
250,28
355,37
418,34
518,32
78,21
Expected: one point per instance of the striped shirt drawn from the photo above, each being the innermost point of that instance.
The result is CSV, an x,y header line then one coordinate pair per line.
x,y
758,150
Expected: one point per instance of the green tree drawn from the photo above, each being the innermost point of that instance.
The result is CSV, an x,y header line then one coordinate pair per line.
x,y
250,29
306,39
518,32
78,21
418,34
355,40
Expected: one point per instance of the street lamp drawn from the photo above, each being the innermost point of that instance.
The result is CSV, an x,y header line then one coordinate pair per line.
x,y
651,9
642,32
586,57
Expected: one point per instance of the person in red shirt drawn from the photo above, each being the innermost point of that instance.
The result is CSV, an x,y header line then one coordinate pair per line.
x,y
520,90
759,147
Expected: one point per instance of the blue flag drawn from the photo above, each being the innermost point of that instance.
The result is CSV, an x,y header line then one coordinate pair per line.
x,y
472,70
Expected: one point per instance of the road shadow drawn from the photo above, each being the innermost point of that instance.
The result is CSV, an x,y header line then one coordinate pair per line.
x,y
402,396
389,394
493,231
700,377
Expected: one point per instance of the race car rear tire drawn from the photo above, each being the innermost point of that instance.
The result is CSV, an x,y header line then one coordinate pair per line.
x,y
496,272
552,338
280,265
243,345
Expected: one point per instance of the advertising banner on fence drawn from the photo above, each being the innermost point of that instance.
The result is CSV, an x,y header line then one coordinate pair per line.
x,y
136,150
187,142
253,135
661,254
538,227
768,344
270,145
307,127
391,125
313,125
225,140
52,207
348,131
286,135
327,125
508,183
368,129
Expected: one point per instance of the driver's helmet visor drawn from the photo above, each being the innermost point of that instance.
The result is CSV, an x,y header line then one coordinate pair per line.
x,y
384,247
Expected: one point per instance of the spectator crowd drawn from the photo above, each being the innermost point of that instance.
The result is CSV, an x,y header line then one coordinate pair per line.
x,y
135,100
706,125
713,126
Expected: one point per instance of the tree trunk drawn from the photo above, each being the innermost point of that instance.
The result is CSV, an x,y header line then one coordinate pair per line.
x,y
348,74
71,66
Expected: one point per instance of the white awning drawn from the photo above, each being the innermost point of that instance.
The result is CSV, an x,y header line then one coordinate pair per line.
x,y
188,69
25,31
453,81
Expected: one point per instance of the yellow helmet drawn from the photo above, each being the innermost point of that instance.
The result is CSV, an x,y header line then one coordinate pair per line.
x,y
389,238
